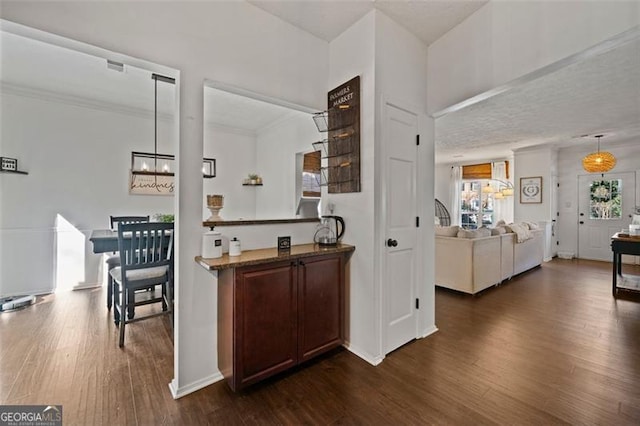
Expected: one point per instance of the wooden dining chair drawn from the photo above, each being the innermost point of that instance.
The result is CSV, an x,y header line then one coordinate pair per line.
x,y
145,260
114,259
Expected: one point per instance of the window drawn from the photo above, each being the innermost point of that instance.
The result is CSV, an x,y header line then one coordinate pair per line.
x,y
476,207
605,200
311,174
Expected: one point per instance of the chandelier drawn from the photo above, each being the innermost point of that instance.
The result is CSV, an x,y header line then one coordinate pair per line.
x,y
599,162
505,189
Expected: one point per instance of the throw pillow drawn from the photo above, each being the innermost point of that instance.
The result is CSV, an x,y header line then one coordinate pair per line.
x,y
531,225
447,231
501,223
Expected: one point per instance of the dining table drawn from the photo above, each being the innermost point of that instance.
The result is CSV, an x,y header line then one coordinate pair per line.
x,y
104,240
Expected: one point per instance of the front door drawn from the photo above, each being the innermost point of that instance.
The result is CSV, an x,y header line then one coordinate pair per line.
x,y
606,203
401,129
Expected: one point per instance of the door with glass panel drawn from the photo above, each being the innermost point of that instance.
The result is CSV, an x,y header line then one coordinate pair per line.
x,y
476,204
606,203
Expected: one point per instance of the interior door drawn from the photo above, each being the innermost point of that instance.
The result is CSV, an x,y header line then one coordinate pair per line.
x,y
401,129
606,203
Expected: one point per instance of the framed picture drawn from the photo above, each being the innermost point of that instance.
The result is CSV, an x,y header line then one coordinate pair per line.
x,y
10,164
531,190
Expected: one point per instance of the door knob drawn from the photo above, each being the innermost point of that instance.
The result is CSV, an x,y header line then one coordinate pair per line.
x,y
392,243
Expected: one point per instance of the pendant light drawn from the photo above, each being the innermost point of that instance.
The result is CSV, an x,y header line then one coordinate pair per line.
x,y
599,162
162,164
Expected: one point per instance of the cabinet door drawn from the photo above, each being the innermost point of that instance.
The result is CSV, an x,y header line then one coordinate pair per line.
x,y
320,305
266,321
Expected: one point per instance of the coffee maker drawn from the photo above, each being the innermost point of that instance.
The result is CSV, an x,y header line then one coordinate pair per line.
x,y
330,230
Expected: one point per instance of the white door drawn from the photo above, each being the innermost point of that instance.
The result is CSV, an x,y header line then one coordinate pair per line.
x,y
400,153
605,204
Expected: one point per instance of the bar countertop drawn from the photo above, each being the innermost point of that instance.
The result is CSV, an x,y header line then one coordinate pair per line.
x,y
267,255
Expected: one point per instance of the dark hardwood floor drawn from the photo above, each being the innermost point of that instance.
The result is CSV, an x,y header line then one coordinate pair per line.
x,y
551,346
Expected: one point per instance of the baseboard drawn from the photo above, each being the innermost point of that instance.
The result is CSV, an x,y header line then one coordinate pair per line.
x,y
363,354
428,331
195,386
86,286
38,292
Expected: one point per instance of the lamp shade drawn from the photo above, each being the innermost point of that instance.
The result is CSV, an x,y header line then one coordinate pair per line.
x,y
599,162
488,189
507,192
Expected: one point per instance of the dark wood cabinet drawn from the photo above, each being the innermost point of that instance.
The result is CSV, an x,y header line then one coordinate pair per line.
x,y
276,315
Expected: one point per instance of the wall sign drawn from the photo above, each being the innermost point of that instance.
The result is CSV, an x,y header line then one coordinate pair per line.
x,y
149,184
531,190
343,164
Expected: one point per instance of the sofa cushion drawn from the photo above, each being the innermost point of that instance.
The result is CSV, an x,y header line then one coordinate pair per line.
x,y
447,231
498,230
474,233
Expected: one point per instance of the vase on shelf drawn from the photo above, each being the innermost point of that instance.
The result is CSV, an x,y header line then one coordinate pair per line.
x,y
214,204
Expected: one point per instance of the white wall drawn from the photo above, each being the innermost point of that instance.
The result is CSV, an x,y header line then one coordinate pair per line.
x,y
78,159
232,42
276,149
235,154
350,54
391,64
530,163
570,167
505,40
400,74
442,184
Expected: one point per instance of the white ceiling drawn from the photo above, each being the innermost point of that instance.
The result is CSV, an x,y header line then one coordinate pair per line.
x,y
237,112
327,19
598,95
30,65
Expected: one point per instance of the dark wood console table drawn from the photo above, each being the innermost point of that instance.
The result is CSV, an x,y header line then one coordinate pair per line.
x,y
624,244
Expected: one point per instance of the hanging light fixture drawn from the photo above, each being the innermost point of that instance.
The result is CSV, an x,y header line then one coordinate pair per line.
x,y
599,162
488,189
155,164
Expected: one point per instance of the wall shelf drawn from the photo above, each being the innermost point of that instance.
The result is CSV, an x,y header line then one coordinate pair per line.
x,y
19,172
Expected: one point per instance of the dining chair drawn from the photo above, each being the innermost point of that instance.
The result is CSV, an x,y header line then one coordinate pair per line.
x,y
114,259
145,260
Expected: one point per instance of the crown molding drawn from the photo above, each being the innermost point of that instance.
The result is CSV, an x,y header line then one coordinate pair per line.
x,y
78,101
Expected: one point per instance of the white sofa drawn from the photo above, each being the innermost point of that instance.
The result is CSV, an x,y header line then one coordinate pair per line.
x,y
471,265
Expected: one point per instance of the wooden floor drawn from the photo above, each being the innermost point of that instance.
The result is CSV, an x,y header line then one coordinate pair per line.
x,y
549,347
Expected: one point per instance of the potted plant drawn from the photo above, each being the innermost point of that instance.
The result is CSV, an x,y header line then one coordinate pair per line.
x,y
254,179
167,218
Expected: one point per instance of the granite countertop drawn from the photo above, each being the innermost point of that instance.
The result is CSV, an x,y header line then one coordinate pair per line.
x,y
267,255
214,223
